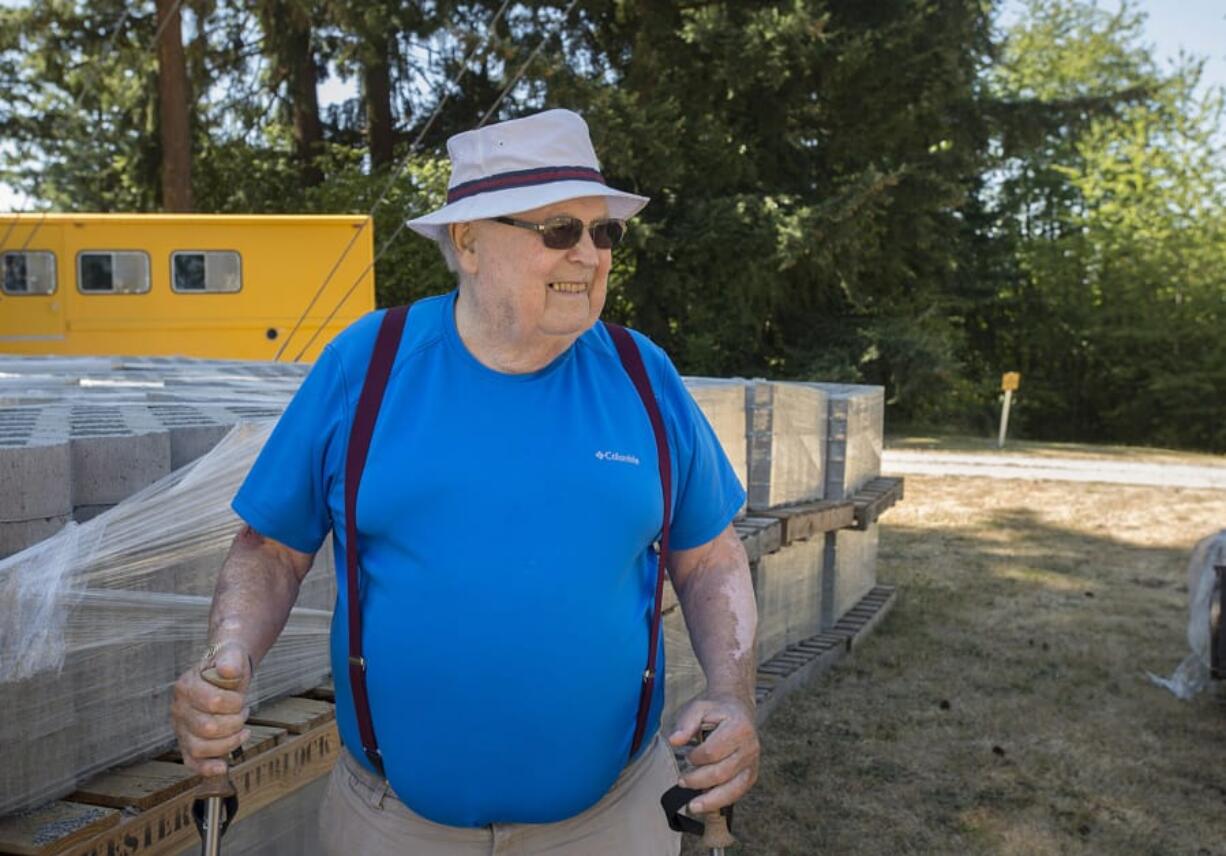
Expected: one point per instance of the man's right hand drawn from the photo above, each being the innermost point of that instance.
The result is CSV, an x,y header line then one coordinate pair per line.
x,y
207,719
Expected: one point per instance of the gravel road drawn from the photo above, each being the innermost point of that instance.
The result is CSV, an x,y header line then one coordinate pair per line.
x,y
1006,466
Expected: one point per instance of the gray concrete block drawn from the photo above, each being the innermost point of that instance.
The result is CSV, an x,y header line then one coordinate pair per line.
x,y
318,590
722,402
82,513
788,587
112,458
38,736
683,677
17,535
787,444
37,478
850,571
189,442
855,436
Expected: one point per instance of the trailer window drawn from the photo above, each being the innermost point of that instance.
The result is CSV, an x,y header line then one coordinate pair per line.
x,y
206,271
113,272
29,272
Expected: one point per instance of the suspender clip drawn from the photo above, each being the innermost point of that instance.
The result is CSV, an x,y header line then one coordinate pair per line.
x,y
376,760
360,662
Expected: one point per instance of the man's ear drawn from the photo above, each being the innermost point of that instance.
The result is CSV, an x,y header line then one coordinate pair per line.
x,y
463,240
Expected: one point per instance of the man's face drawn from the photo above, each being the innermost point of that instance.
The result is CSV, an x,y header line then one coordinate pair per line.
x,y
526,290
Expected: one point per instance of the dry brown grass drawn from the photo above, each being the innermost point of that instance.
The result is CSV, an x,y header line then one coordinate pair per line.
x,y
1002,708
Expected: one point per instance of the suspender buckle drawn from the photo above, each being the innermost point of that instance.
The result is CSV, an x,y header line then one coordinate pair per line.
x,y
360,662
648,674
376,760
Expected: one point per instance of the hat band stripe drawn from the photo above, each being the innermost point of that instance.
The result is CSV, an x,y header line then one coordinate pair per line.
x,y
523,178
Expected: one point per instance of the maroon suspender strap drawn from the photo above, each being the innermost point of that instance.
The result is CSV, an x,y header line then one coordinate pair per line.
x,y
380,368
632,362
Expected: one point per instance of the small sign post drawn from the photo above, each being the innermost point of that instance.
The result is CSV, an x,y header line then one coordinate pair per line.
x,y
1009,381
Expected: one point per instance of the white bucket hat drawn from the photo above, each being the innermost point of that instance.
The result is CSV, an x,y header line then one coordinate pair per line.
x,y
521,164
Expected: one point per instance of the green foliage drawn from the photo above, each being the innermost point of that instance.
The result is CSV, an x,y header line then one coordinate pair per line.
x,y
1114,223
883,192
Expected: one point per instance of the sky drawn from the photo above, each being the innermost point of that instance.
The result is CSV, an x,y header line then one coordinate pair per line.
x,y
1195,26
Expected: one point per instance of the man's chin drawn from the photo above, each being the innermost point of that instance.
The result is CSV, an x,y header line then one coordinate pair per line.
x,y
568,326
570,317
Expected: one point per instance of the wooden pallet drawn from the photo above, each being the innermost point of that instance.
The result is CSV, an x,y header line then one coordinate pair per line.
x,y
801,522
801,663
872,500
145,809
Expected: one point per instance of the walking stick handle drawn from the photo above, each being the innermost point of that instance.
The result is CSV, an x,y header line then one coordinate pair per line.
x,y
219,785
715,834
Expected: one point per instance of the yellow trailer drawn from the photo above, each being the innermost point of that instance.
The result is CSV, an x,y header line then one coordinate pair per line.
x,y
198,285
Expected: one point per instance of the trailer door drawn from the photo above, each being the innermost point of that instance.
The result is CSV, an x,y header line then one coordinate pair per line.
x,y
33,280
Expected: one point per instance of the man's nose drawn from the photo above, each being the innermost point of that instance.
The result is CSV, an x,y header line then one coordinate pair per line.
x,y
585,252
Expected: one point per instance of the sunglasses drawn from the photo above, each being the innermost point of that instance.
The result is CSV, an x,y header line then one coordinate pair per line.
x,y
562,233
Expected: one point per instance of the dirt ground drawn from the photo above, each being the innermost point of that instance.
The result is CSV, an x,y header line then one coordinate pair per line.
x,y
1003,707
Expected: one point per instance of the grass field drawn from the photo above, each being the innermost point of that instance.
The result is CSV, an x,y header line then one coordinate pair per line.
x,y
1003,708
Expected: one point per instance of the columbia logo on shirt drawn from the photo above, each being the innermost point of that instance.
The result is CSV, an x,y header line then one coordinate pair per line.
x,y
617,457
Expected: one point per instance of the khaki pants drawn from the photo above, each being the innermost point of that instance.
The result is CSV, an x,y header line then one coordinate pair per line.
x,y
361,817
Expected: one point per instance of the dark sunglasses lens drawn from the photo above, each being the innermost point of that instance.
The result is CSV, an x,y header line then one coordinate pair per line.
x,y
607,234
563,233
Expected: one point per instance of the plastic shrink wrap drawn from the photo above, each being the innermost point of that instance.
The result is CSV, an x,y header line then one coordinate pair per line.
x,y
787,444
1204,597
723,404
97,622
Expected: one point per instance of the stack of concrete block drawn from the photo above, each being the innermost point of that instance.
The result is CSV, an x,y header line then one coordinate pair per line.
x,y
856,433
62,462
131,616
723,403
788,588
683,676
135,606
35,468
116,451
787,444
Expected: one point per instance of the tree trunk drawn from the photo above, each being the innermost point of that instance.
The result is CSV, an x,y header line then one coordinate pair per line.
x,y
380,134
304,95
287,37
174,109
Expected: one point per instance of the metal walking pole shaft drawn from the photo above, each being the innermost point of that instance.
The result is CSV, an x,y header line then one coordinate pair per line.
x,y
216,792
715,836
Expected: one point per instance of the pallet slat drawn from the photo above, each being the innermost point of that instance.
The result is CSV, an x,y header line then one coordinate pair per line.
x,y
141,786
801,522
811,657
872,500
295,715
52,827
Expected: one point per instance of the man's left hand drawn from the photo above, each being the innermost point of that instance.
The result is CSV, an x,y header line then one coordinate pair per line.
x,y
725,765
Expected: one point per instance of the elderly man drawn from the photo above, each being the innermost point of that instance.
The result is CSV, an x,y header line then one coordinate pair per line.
x,y
496,638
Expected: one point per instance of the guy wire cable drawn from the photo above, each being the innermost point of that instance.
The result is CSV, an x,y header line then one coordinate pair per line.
x,y
90,80
392,179
400,228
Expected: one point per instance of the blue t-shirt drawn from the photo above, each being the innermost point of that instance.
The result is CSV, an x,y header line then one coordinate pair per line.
x,y
506,523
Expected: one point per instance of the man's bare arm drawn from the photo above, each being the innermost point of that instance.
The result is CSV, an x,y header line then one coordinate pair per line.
x,y
716,595
255,592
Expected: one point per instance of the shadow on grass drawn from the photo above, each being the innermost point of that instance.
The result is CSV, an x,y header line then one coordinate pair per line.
x,y
1002,708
